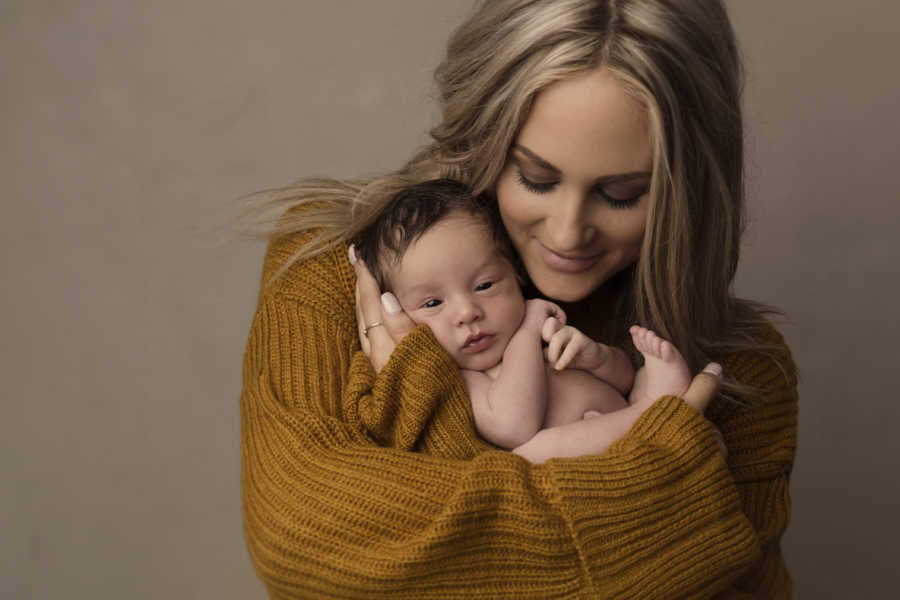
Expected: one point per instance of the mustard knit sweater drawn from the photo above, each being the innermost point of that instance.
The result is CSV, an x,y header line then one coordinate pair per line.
x,y
364,486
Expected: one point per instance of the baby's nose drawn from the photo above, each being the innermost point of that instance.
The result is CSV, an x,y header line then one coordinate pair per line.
x,y
469,311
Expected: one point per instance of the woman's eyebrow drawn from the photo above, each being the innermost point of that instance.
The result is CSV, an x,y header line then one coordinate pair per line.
x,y
535,158
544,164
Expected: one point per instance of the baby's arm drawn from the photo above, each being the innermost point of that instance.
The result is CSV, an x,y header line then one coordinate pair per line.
x,y
592,435
510,409
569,347
665,372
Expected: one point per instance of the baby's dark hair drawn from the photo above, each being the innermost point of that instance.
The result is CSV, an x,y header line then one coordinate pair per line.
x,y
415,210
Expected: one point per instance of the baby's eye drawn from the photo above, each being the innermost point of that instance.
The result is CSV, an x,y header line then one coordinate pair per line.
x,y
431,303
484,286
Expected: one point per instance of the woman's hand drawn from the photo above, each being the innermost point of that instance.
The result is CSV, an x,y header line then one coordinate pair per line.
x,y
379,317
704,387
701,392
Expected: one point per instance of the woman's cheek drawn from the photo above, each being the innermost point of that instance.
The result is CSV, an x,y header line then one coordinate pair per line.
x,y
636,231
515,211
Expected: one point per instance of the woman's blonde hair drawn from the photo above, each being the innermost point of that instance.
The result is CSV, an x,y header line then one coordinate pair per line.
x,y
680,61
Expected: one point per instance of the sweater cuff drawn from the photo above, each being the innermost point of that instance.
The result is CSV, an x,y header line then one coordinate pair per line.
x,y
418,402
420,357
417,359
659,502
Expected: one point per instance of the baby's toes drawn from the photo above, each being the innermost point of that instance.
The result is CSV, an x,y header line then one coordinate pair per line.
x,y
656,343
635,331
639,338
666,350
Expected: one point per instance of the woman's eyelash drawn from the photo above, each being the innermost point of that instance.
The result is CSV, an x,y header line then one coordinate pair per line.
x,y
544,188
621,202
533,186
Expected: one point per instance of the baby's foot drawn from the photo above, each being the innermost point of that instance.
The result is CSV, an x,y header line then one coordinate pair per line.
x,y
665,371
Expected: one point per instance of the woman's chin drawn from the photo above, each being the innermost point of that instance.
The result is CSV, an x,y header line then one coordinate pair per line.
x,y
566,289
573,287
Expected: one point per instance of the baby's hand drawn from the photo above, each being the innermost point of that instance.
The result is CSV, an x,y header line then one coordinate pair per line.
x,y
538,311
567,346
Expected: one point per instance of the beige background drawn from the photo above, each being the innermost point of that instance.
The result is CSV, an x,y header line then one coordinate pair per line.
x,y
129,127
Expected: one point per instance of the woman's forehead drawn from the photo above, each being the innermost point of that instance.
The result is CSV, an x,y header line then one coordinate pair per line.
x,y
590,125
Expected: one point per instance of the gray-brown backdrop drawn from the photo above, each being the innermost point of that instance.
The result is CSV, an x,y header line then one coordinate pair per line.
x,y
127,128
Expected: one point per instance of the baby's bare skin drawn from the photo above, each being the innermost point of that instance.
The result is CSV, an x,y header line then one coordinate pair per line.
x,y
574,392
665,371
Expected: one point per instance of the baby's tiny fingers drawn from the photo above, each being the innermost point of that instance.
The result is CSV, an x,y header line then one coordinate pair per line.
x,y
569,353
552,351
557,312
556,346
551,326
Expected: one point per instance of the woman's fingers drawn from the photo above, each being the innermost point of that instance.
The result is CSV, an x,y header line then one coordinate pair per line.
x,y
701,392
360,319
704,387
396,321
368,295
381,321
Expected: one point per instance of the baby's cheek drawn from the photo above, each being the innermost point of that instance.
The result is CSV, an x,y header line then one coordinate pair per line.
x,y
517,309
441,333
412,314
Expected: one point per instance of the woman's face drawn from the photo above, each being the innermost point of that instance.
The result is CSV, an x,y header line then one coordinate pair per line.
x,y
574,192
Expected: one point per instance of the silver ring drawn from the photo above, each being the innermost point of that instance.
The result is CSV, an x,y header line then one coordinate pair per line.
x,y
372,326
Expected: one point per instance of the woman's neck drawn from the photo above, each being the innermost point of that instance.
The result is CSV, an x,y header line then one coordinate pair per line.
x,y
597,314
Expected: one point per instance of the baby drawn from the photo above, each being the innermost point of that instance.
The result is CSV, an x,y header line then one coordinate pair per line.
x,y
444,254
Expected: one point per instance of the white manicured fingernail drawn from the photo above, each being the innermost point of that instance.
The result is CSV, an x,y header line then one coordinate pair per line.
x,y
390,304
351,254
714,369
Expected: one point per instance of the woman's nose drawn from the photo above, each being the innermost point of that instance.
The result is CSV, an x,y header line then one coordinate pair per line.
x,y
567,227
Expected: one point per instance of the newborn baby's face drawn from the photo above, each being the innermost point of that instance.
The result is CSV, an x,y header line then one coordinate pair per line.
x,y
454,280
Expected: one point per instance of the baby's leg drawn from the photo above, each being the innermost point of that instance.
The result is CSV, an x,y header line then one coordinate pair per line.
x,y
665,371
572,392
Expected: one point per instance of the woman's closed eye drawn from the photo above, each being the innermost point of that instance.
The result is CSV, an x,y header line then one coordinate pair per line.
x,y
535,186
617,198
619,201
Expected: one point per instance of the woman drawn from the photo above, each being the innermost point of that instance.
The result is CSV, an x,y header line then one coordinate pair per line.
x,y
611,134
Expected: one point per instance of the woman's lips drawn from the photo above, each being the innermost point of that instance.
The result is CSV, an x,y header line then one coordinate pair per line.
x,y
478,343
566,262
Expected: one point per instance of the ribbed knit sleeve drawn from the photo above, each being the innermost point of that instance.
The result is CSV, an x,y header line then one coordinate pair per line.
x,y
364,486
762,443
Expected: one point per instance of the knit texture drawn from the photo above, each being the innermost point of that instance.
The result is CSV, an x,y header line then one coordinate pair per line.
x,y
363,486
